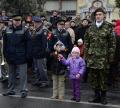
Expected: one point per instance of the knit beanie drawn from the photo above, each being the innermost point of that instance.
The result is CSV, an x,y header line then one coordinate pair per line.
x,y
75,49
60,44
80,40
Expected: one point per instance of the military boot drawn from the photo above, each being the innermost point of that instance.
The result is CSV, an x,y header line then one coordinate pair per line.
x,y
103,98
97,98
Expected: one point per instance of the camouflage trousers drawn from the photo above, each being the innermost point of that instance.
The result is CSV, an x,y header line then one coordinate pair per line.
x,y
98,79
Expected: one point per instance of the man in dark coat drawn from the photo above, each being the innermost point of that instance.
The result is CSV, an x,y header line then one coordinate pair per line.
x,y
54,19
82,29
15,40
62,35
38,51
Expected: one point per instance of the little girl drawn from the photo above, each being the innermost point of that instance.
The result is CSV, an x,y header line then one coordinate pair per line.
x,y
77,66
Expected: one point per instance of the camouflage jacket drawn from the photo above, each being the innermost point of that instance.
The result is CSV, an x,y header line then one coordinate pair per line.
x,y
99,46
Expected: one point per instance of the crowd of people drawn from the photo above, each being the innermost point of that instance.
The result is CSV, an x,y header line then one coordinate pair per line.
x,y
78,48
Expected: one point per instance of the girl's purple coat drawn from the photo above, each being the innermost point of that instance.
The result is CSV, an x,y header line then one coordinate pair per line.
x,y
76,66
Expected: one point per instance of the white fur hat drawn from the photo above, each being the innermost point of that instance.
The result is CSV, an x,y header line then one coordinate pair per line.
x,y
80,40
61,44
76,49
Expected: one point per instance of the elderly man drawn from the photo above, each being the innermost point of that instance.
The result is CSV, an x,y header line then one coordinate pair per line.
x,y
15,41
39,45
99,53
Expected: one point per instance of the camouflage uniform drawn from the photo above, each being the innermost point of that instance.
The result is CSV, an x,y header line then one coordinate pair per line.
x,y
99,52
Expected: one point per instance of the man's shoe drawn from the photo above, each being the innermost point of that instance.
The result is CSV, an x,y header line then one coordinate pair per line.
x,y
9,93
61,98
73,99
43,85
23,95
77,100
95,100
54,97
104,101
103,98
36,84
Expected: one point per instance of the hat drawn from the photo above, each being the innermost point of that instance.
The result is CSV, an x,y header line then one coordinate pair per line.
x,y
76,49
48,24
36,19
17,17
80,40
60,44
5,21
72,21
85,19
99,10
61,21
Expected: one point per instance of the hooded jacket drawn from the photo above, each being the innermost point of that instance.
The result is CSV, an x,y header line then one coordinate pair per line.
x,y
76,66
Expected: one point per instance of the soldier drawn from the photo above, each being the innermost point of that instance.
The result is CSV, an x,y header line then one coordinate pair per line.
x,y
15,40
99,53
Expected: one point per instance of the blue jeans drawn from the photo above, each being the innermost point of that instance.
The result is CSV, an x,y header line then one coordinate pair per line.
x,y
40,70
22,69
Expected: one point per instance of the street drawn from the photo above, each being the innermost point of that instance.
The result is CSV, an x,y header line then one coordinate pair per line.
x,y
38,102
40,98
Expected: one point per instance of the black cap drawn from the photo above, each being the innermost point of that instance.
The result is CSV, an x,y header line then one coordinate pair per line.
x,y
4,20
17,17
36,19
100,10
85,19
61,21
72,21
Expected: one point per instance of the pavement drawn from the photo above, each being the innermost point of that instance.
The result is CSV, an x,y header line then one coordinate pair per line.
x,y
40,98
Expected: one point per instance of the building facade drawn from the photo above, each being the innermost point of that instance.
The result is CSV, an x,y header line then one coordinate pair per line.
x,y
87,7
66,7
83,7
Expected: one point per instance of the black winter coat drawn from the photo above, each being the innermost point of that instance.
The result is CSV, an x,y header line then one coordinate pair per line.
x,y
65,38
15,45
39,43
58,68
